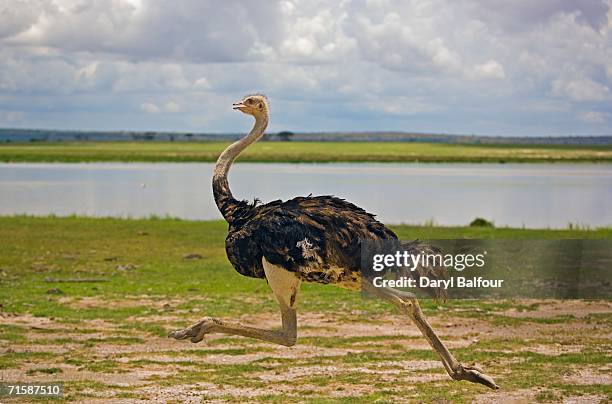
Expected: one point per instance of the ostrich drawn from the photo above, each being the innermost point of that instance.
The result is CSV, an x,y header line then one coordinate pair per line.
x,y
310,239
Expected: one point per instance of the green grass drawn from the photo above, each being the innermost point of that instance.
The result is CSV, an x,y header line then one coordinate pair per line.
x,y
165,291
39,248
300,152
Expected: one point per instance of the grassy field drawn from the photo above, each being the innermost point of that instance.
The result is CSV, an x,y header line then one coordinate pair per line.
x,y
105,338
300,152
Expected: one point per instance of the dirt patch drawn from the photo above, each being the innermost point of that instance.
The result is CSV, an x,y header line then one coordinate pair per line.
x,y
554,349
199,392
51,326
590,376
268,352
73,373
393,369
585,399
29,321
556,308
93,302
523,396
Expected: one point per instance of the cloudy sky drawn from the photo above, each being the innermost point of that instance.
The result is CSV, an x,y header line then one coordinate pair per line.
x,y
504,67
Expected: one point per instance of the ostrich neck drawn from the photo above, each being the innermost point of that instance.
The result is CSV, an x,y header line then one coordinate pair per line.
x,y
223,195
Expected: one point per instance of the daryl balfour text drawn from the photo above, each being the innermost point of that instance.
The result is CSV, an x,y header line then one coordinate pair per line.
x,y
425,282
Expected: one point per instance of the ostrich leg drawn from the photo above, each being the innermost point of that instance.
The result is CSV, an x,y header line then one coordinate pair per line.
x,y
285,286
408,304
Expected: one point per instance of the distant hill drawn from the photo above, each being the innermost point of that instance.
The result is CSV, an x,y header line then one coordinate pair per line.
x,y
39,135
446,138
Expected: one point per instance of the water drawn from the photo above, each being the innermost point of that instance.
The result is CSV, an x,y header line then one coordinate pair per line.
x,y
533,195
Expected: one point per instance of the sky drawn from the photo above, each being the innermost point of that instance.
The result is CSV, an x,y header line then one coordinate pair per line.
x,y
489,67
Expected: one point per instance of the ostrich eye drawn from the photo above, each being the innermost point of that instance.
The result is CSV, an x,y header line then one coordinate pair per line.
x,y
249,101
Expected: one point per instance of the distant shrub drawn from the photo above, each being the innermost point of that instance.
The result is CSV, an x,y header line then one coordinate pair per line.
x,y
285,136
480,222
431,222
578,226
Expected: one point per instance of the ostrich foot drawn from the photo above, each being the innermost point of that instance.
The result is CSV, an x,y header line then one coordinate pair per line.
x,y
474,375
285,336
196,332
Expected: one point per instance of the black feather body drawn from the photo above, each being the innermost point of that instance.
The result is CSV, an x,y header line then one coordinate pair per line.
x,y
317,238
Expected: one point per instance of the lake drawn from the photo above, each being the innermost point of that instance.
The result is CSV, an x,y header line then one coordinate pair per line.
x,y
530,195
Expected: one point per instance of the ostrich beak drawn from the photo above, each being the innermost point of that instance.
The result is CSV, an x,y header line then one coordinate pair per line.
x,y
238,105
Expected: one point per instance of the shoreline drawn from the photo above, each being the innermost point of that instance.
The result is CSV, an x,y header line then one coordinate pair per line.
x,y
302,152
422,231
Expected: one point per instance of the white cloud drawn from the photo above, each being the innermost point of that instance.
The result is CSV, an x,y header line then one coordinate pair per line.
x,y
196,30
583,89
155,108
150,108
201,83
172,106
410,37
398,106
11,117
596,117
17,17
525,15
491,69
415,65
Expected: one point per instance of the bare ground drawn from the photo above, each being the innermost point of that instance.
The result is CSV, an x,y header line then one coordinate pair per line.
x,y
336,358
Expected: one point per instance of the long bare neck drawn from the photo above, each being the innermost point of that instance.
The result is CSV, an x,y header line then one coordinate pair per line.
x,y
223,195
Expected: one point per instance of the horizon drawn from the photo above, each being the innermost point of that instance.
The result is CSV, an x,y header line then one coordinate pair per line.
x,y
315,133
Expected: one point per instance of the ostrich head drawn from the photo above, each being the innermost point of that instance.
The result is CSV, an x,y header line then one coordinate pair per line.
x,y
256,105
